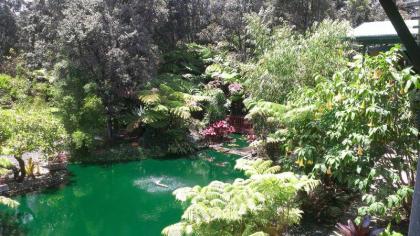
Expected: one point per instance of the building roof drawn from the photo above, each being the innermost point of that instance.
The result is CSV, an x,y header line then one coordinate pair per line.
x,y
380,32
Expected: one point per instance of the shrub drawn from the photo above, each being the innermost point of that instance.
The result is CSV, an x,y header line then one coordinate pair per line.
x,y
13,90
81,110
236,92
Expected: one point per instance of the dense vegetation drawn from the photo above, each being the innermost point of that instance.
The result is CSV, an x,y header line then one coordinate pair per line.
x,y
124,80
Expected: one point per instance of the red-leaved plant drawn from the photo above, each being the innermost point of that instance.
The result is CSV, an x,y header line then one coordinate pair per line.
x,y
218,131
363,229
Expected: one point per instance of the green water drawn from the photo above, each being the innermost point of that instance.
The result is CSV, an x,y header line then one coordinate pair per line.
x,y
120,199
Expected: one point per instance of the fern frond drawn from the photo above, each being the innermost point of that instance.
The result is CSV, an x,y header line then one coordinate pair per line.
x,y
8,202
265,197
149,97
179,229
256,167
181,112
183,194
197,213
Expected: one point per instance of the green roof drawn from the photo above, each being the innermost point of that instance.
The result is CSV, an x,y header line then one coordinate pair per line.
x,y
380,32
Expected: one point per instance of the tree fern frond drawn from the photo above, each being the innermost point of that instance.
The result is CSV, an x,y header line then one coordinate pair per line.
x,y
256,167
197,213
272,170
179,229
149,97
181,112
8,202
183,194
266,197
160,108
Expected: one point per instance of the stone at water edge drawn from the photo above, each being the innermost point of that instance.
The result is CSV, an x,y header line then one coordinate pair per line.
x,y
4,188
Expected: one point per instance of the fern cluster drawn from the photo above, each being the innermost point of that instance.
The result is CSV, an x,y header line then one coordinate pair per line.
x,y
264,204
167,114
163,103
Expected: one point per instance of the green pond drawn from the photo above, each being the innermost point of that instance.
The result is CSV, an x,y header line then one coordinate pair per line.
x,y
119,199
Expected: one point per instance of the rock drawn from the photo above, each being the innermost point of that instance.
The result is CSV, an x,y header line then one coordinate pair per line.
x,y
4,188
43,171
57,166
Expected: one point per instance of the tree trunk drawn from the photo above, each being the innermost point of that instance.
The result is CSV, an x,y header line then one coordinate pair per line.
x,y
15,171
22,170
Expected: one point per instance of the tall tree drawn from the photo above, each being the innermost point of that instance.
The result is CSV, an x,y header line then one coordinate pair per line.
x,y
38,22
8,26
111,42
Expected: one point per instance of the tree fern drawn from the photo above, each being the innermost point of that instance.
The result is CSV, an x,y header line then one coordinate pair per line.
x,y
262,203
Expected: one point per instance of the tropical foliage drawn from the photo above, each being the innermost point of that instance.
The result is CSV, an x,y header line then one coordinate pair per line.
x,y
263,204
356,128
120,80
363,229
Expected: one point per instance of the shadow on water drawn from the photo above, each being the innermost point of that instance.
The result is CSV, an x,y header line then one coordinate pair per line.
x,y
10,224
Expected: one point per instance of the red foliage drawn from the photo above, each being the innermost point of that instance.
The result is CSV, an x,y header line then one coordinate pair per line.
x,y
218,130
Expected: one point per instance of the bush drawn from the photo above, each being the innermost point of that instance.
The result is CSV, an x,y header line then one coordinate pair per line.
x,y
13,90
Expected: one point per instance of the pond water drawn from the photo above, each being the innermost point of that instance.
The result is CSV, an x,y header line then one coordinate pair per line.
x,y
120,199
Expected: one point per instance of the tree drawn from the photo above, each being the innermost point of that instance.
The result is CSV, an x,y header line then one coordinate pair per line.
x,y
8,27
111,43
38,32
23,131
302,13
